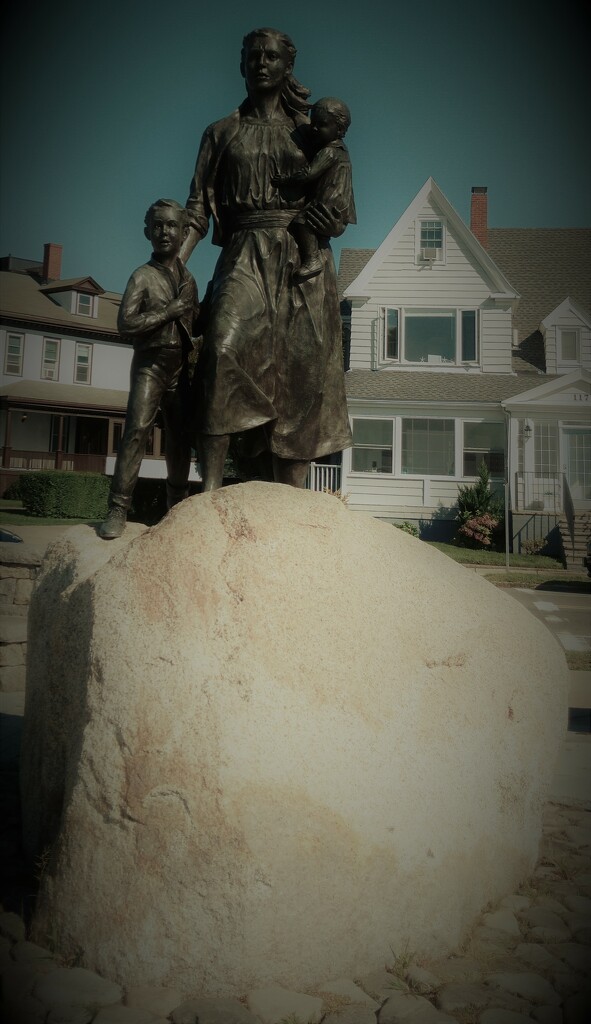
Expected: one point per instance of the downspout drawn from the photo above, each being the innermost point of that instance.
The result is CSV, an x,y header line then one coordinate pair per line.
x,y
506,482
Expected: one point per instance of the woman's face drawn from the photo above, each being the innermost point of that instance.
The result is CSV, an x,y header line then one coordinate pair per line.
x,y
266,64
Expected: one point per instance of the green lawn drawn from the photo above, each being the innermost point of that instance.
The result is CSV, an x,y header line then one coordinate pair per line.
x,y
468,556
12,513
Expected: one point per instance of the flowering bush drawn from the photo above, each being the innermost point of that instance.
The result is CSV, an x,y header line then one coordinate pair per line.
x,y
477,532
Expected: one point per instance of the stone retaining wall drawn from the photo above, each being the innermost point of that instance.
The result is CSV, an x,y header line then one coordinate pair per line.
x,y
19,565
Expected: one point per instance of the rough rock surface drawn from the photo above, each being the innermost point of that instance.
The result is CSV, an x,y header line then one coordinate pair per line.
x,y
269,739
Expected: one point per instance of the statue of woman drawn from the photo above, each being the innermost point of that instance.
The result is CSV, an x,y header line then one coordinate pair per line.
x,y
270,375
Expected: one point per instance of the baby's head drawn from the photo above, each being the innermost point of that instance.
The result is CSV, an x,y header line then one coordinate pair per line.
x,y
330,119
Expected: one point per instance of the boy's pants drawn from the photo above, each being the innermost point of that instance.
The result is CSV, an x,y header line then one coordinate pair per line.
x,y
155,378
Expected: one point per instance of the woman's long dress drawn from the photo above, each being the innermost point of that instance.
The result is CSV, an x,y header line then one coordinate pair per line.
x,y
271,367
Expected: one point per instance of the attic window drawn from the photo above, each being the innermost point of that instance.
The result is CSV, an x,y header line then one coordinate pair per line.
x,y
83,304
569,346
430,241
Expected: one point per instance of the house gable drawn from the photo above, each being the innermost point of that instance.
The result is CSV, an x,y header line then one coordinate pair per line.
x,y
567,338
431,296
429,202
571,390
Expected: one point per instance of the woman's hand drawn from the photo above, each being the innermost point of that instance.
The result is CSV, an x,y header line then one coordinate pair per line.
x,y
325,221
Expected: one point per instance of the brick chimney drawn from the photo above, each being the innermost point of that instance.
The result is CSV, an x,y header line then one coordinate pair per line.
x,y
479,214
52,261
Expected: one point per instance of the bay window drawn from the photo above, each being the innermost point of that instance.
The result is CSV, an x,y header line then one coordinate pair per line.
x,y
433,336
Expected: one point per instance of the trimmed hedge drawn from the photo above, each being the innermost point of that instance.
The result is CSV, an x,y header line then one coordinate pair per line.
x,y
63,494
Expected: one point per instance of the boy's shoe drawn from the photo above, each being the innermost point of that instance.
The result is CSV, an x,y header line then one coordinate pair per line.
x,y
309,269
114,524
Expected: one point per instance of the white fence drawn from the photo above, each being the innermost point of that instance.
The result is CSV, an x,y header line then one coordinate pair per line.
x,y
323,478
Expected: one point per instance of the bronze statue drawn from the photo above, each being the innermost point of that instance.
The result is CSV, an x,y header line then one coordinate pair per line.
x,y
158,313
270,375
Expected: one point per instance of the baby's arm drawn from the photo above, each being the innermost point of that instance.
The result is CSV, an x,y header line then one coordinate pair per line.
x,y
324,159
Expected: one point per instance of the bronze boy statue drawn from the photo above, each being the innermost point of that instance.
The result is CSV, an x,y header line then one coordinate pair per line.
x,y
157,313
330,169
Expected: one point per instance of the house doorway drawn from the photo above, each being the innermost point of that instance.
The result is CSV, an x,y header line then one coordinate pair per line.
x,y
577,463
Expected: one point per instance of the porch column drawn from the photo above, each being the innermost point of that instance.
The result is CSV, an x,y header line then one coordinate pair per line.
x,y
60,443
7,450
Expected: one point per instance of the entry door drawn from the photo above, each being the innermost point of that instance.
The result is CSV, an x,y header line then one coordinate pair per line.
x,y
577,450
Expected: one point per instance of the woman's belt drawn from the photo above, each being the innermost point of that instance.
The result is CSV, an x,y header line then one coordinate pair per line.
x,y
263,219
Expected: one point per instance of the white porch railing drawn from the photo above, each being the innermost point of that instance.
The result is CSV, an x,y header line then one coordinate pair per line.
x,y
323,478
534,493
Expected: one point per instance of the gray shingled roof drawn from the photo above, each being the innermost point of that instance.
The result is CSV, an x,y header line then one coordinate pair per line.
x,y
22,301
546,266
390,385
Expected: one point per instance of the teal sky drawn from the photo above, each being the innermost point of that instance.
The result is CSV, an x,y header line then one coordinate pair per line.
x,y
103,107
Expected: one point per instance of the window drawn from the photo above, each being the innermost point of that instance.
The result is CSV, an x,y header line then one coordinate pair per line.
x,y
428,447
435,336
84,304
546,449
468,336
484,442
83,363
15,344
569,346
390,322
372,446
51,355
431,234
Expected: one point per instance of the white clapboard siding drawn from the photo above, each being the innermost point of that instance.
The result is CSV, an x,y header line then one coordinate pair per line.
x,y
455,283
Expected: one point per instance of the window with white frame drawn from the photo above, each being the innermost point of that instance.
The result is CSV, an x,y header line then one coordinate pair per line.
x,y
373,442
568,340
51,357
428,447
13,362
83,363
433,336
484,442
83,304
431,241
546,449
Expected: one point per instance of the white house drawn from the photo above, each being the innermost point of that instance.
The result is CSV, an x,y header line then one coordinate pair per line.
x,y
64,373
463,346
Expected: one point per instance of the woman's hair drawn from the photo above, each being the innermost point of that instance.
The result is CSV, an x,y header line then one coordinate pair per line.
x,y
337,110
294,94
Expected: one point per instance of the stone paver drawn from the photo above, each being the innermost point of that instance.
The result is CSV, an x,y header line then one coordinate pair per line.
x,y
161,1001
274,1003
351,1015
126,1015
347,988
76,986
528,986
212,1011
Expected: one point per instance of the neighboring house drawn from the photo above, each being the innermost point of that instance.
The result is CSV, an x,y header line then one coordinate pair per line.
x,y
469,345
64,373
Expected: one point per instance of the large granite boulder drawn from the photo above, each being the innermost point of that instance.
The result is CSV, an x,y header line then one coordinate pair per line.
x,y
269,740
